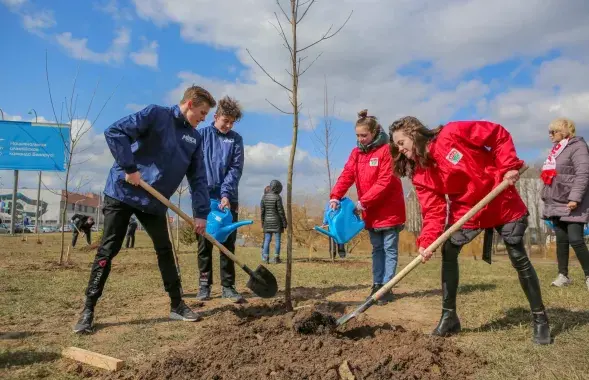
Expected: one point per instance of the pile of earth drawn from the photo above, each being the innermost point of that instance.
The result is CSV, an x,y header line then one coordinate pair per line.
x,y
265,342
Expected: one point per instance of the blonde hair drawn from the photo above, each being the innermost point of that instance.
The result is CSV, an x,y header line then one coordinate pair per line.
x,y
564,126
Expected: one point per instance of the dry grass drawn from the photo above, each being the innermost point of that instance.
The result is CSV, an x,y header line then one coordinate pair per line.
x,y
39,304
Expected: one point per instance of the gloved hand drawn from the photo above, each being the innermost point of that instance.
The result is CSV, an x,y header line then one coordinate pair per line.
x,y
334,204
359,207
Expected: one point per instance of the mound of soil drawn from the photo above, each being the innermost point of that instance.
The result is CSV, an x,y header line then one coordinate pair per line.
x,y
263,343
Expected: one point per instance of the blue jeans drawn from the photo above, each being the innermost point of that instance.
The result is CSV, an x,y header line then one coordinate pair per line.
x,y
385,253
266,245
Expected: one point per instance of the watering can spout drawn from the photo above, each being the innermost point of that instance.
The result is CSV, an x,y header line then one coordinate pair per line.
x,y
324,232
233,226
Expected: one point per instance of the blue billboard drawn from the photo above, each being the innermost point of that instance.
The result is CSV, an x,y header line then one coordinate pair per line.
x,y
33,146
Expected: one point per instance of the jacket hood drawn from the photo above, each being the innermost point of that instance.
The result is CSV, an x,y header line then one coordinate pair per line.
x,y
275,186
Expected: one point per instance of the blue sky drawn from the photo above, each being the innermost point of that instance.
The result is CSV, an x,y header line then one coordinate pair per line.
x,y
518,75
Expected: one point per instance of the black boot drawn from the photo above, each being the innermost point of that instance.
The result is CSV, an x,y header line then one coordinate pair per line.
x,y
449,324
541,328
84,324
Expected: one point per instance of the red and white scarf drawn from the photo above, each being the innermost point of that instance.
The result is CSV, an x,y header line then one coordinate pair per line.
x,y
549,167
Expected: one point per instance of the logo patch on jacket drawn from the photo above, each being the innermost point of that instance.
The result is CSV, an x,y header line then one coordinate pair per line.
x,y
374,161
190,139
454,156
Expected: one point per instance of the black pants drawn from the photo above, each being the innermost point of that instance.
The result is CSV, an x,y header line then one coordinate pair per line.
x,y
568,233
130,242
205,258
88,233
519,260
116,219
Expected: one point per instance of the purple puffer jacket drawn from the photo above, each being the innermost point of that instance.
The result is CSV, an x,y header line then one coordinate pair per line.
x,y
570,184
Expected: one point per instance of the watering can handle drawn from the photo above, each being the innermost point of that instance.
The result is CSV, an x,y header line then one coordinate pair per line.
x,y
190,221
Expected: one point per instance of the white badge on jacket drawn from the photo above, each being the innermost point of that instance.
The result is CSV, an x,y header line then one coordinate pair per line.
x,y
374,161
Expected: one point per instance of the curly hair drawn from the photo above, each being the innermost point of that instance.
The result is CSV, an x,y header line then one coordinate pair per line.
x,y
229,107
421,136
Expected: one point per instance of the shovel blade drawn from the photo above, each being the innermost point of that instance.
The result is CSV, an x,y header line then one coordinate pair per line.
x,y
263,283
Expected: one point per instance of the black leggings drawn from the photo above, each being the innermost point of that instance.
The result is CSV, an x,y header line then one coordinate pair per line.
x,y
569,233
519,260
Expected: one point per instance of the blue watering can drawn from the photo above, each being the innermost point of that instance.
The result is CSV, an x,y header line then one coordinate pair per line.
x,y
343,223
220,223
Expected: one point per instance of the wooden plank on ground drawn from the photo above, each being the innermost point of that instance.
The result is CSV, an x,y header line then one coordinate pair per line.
x,y
93,358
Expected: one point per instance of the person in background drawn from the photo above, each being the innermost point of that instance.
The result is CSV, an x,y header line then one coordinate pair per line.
x,y
160,146
82,224
380,197
452,168
130,242
565,174
224,160
273,221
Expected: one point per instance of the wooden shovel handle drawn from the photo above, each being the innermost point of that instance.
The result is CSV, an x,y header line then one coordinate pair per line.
x,y
189,220
446,235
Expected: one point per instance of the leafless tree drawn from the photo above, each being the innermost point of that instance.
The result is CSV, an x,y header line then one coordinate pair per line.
x,y
298,11
181,190
72,140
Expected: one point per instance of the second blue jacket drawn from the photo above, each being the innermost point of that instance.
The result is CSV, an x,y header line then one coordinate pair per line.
x,y
159,143
224,157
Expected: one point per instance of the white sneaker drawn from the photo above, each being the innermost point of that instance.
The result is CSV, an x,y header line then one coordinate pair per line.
x,y
587,282
561,281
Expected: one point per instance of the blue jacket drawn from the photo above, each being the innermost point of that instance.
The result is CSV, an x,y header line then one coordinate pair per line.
x,y
159,142
224,158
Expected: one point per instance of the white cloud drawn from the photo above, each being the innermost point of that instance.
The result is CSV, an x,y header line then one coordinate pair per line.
x,y
148,55
39,21
115,10
135,107
13,3
78,47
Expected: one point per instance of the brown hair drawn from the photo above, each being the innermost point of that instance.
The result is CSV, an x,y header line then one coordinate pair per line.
x,y
229,107
266,189
421,136
371,122
198,95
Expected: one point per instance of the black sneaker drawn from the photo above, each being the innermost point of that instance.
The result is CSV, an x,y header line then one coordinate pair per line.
x,y
84,324
204,293
276,260
230,293
183,313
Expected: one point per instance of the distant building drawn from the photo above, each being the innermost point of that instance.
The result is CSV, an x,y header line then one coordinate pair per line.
x,y
50,205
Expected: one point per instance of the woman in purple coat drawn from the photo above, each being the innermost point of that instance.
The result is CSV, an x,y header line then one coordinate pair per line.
x,y
565,174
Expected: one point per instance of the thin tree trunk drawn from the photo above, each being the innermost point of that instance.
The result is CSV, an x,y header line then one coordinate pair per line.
x,y
295,126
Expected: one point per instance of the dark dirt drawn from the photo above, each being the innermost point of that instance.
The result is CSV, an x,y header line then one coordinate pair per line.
x,y
256,342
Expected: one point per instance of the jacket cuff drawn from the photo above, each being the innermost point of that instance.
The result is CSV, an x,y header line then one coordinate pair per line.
x,y
130,169
225,195
199,215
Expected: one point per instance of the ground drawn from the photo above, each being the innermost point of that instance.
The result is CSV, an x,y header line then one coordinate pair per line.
x,y
40,302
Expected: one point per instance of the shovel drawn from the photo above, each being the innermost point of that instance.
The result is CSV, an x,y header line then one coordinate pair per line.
x,y
262,282
438,242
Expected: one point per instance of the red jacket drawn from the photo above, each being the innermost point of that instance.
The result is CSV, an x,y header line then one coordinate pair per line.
x,y
379,191
471,159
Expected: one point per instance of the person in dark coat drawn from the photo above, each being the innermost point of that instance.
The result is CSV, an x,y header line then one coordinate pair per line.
x,y
130,242
565,174
273,220
82,223
224,157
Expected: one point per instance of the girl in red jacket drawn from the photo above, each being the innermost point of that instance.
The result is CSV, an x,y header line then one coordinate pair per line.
x,y
464,161
380,197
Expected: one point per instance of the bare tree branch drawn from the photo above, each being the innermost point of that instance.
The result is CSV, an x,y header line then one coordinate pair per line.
x,y
282,33
311,64
327,35
285,112
306,10
283,12
267,74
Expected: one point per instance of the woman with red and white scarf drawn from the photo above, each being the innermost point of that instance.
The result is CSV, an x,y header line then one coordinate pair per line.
x,y
565,174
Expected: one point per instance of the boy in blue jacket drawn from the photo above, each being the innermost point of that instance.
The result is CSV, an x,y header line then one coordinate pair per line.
x,y
159,145
223,156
